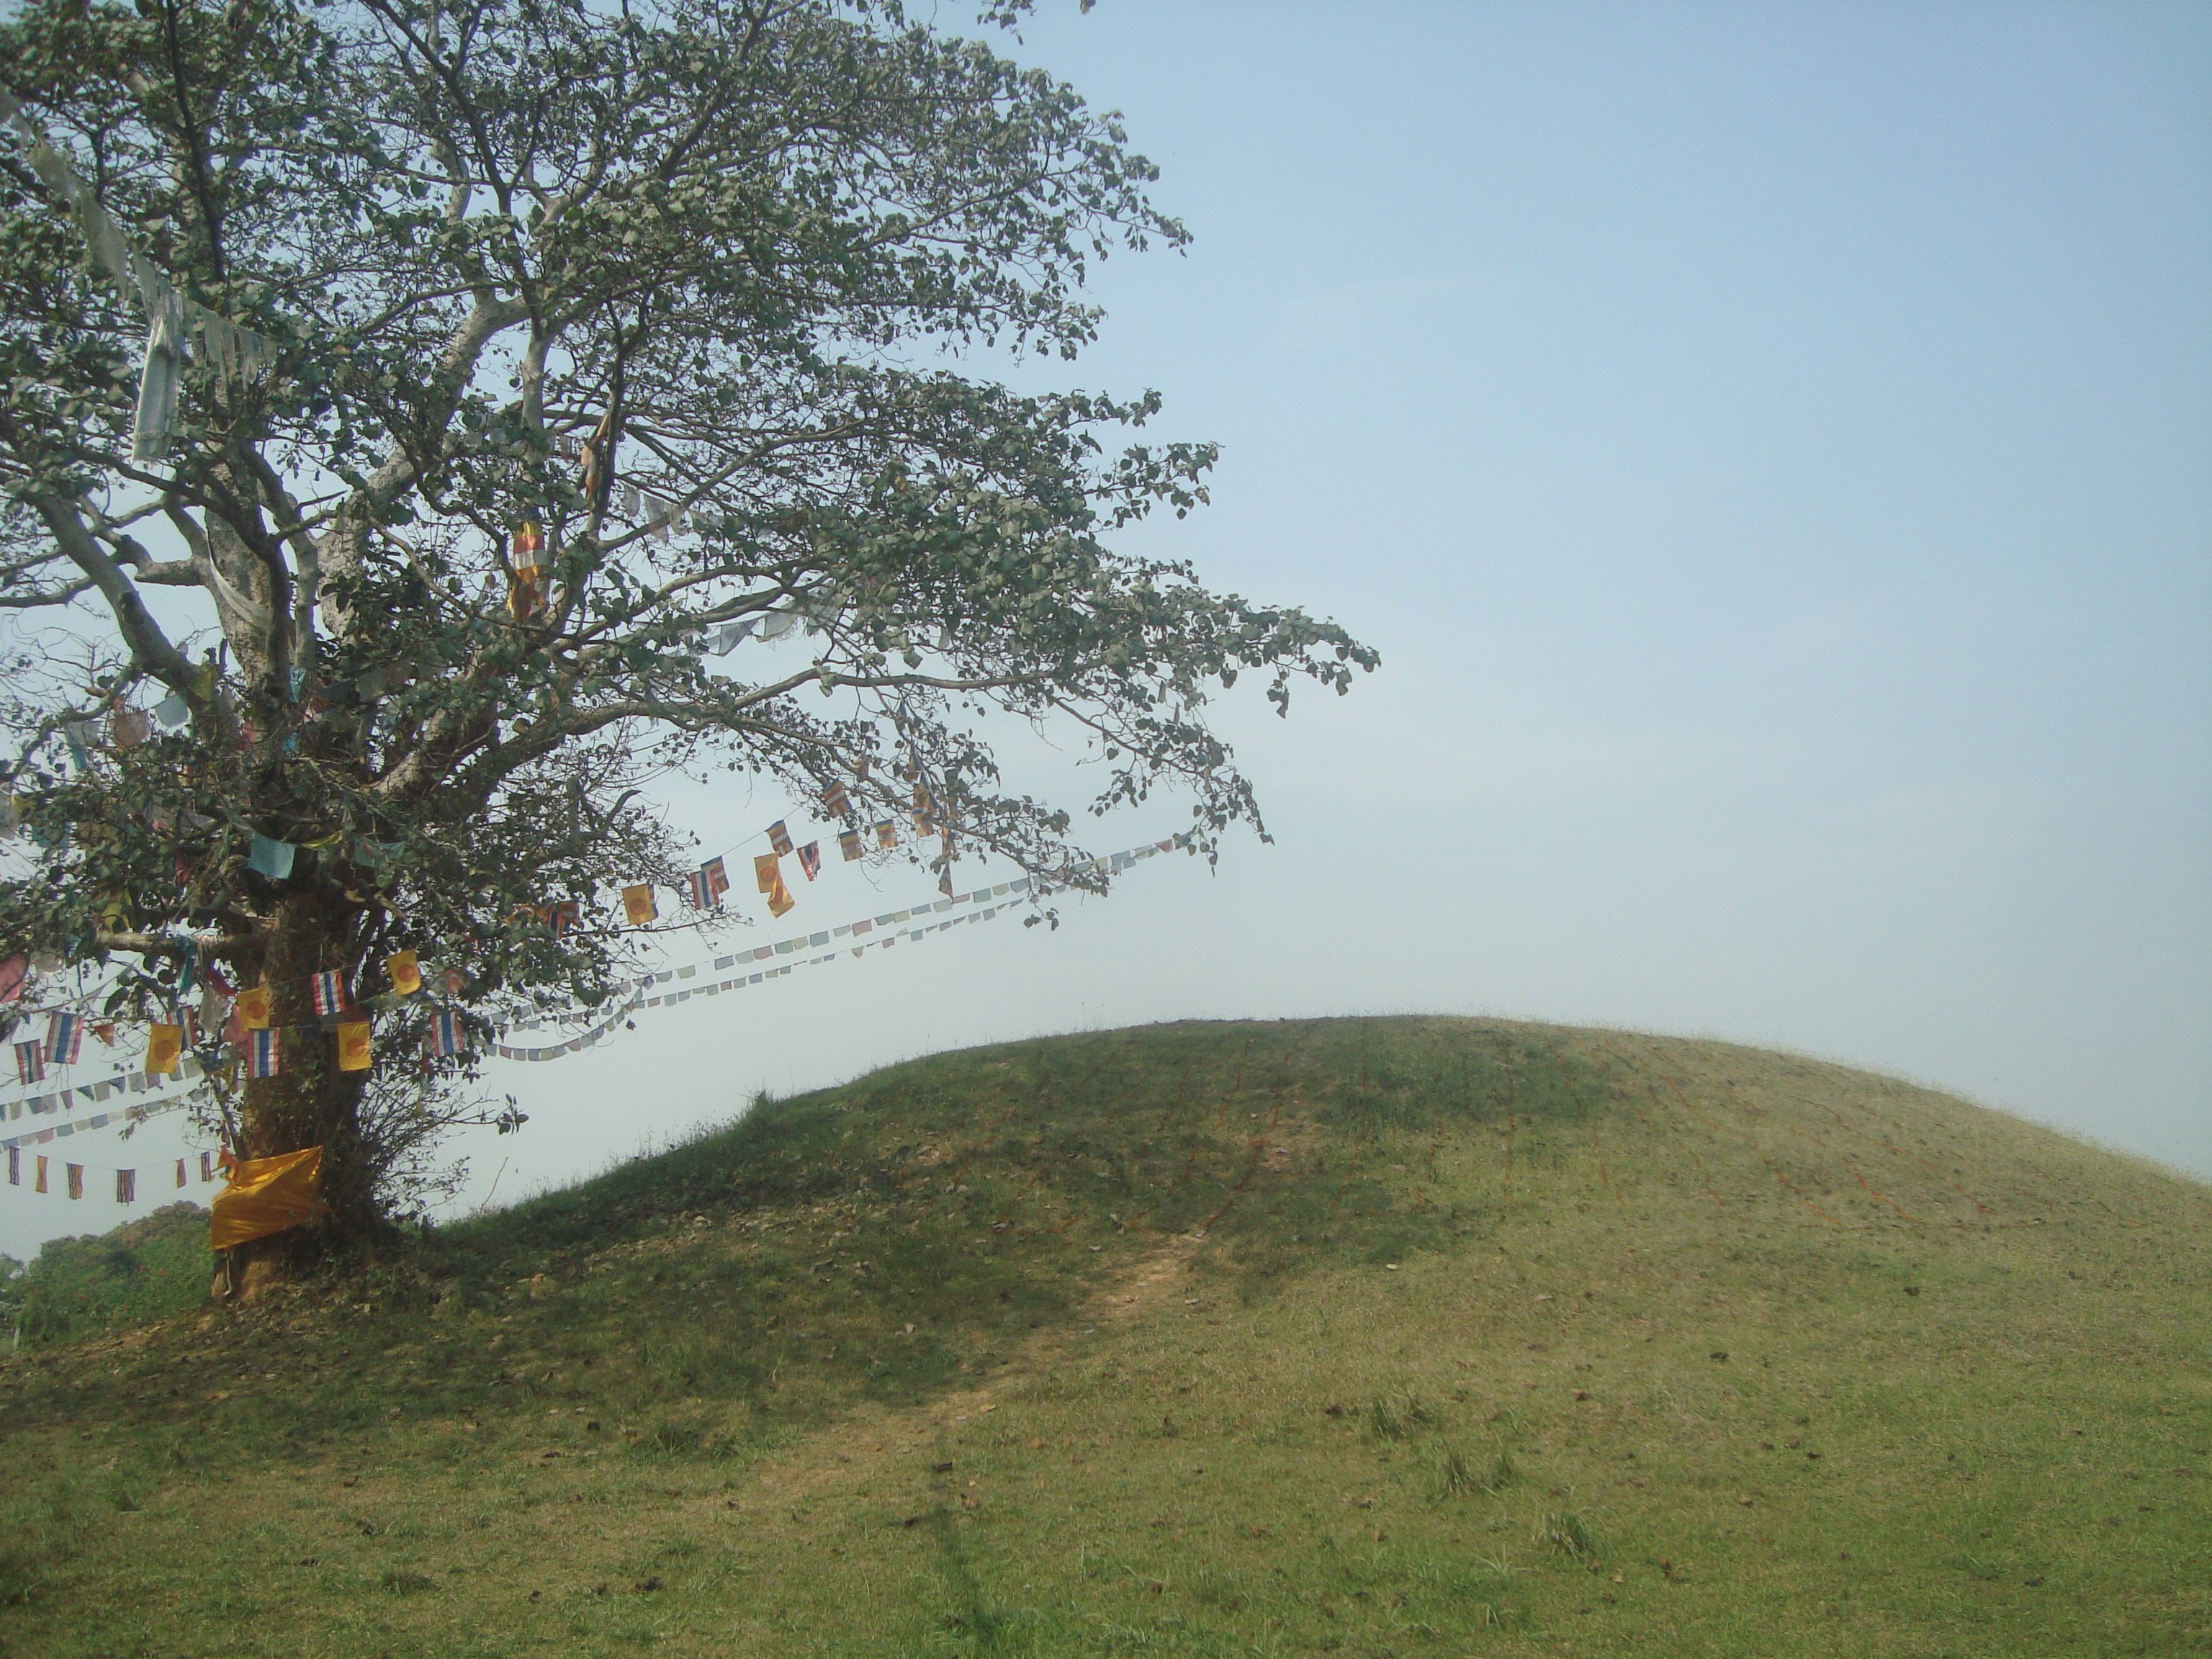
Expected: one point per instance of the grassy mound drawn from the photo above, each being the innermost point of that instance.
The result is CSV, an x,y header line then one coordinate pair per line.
x,y
1406,1337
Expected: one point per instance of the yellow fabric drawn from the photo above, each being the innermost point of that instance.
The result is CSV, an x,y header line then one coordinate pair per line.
x,y
165,1046
638,905
779,898
353,1046
267,1195
767,871
253,1008
406,974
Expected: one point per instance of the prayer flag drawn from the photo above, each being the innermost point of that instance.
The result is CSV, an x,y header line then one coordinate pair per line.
x,y
717,878
14,1166
172,711
945,884
207,1166
14,972
126,1186
449,1035
253,1007
523,598
31,1061
767,871
700,891
564,913
778,837
837,800
39,1174
64,1038
638,905
130,728
165,1046
810,859
778,897
529,543
266,1195
457,982
886,834
405,973
353,1046
848,843
262,1055
76,1179
180,1172
330,993
272,859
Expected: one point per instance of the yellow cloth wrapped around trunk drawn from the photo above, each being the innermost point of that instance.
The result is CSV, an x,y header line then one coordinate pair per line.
x,y
267,1195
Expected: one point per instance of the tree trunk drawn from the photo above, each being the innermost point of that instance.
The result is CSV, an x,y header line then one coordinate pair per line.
x,y
310,1101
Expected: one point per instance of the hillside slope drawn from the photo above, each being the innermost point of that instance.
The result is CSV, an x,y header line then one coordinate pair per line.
x,y
1402,1337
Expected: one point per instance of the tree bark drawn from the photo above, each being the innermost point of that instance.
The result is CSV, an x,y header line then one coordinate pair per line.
x,y
310,1101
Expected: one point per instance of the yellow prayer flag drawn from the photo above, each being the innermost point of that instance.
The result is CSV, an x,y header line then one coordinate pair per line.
x,y
165,1046
266,1195
638,905
353,1046
767,871
405,972
253,1006
779,898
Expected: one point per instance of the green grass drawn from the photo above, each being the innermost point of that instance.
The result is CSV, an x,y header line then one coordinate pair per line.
x,y
1390,1337
145,1269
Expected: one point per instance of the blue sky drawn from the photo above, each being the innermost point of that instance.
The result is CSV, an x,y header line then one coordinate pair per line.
x,y
1772,447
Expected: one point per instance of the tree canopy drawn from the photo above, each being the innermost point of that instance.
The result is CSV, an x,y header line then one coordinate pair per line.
x,y
451,414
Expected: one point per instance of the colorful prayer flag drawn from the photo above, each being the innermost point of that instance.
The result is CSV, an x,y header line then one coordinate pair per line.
x,y
76,1179
700,889
126,1186
263,1055
449,1035
945,884
810,859
165,1048
848,844
207,1166
778,837
329,988
39,1174
14,972
778,897
564,913
252,1007
353,1046
14,1166
767,871
266,1195
272,859
886,834
180,1172
64,1038
836,801
405,972
31,1061
638,905
529,545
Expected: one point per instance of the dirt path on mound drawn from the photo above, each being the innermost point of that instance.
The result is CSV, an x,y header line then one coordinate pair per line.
x,y
877,1443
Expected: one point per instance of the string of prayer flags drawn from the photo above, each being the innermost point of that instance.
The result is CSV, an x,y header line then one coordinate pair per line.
x,y
271,858
848,844
638,905
810,859
263,1053
165,1048
448,1035
253,1007
354,1055
64,1038
886,834
329,989
835,801
778,837
31,1061
405,972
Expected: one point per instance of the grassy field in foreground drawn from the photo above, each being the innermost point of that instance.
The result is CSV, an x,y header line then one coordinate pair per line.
x,y
1371,1337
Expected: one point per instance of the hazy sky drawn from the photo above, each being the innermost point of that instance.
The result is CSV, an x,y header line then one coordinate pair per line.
x,y
1771,449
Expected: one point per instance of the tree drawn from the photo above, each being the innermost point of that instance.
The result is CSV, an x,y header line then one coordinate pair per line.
x,y
420,402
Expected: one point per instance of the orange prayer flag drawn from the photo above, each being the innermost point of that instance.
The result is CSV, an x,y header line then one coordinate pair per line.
x,y
405,973
38,1181
266,1195
253,1008
779,898
165,1046
767,872
638,905
353,1046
